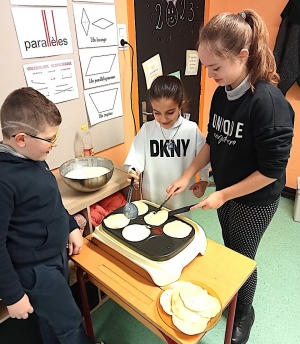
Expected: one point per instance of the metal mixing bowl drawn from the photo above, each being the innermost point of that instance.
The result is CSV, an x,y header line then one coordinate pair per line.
x,y
89,184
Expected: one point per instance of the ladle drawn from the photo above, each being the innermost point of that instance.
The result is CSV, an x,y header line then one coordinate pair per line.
x,y
130,210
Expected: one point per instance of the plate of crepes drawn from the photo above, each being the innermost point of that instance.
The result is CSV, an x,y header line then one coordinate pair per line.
x,y
191,308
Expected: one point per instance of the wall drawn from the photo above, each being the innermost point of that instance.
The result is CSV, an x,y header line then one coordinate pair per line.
x,y
74,111
270,11
124,11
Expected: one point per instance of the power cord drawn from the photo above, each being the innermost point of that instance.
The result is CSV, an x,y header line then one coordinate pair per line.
x,y
123,43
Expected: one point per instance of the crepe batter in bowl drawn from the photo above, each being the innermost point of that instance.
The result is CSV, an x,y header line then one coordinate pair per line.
x,y
87,172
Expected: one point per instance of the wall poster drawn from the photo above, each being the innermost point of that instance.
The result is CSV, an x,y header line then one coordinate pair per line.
x,y
42,31
103,103
99,66
56,80
96,25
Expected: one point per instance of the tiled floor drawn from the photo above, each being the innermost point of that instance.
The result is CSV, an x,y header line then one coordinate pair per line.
x,y
276,302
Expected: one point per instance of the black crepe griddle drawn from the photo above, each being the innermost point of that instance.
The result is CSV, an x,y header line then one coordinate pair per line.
x,y
158,246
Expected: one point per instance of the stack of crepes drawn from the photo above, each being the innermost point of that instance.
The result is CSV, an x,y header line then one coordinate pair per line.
x,y
190,306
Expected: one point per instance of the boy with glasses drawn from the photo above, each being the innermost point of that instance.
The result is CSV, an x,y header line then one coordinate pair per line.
x,y
35,227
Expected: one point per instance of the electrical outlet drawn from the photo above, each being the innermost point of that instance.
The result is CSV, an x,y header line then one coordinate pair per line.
x,y
122,34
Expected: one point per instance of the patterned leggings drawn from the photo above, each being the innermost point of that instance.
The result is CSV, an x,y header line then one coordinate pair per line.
x,y
242,228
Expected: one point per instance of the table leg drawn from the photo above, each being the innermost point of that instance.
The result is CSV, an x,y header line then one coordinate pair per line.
x,y
230,320
85,304
168,339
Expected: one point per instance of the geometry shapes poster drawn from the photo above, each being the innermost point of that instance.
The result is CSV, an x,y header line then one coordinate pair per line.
x,y
100,66
56,80
103,103
42,31
95,25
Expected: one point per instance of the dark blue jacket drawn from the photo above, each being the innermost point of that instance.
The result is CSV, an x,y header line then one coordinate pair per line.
x,y
34,224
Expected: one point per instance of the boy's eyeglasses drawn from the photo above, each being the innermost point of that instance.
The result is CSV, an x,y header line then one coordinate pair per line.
x,y
52,141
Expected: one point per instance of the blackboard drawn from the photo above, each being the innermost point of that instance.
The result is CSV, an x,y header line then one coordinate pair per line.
x,y
168,28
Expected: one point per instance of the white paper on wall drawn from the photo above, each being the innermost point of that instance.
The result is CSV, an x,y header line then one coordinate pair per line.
x,y
103,103
42,31
56,79
152,69
96,25
40,2
192,62
99,66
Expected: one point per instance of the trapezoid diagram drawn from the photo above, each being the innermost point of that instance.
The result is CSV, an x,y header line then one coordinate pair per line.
x,y
85,22
102,23
104,100
100,64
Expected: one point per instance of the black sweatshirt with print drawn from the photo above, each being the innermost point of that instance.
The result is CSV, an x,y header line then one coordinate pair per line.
x,y
248,134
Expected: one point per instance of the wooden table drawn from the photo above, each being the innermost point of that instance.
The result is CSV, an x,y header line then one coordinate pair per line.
x,y
132,288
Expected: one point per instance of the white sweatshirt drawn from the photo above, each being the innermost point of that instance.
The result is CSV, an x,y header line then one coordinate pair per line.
x,y
162,166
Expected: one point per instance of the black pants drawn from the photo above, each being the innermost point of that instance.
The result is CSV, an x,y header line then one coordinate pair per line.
x,y
47,287
242,228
